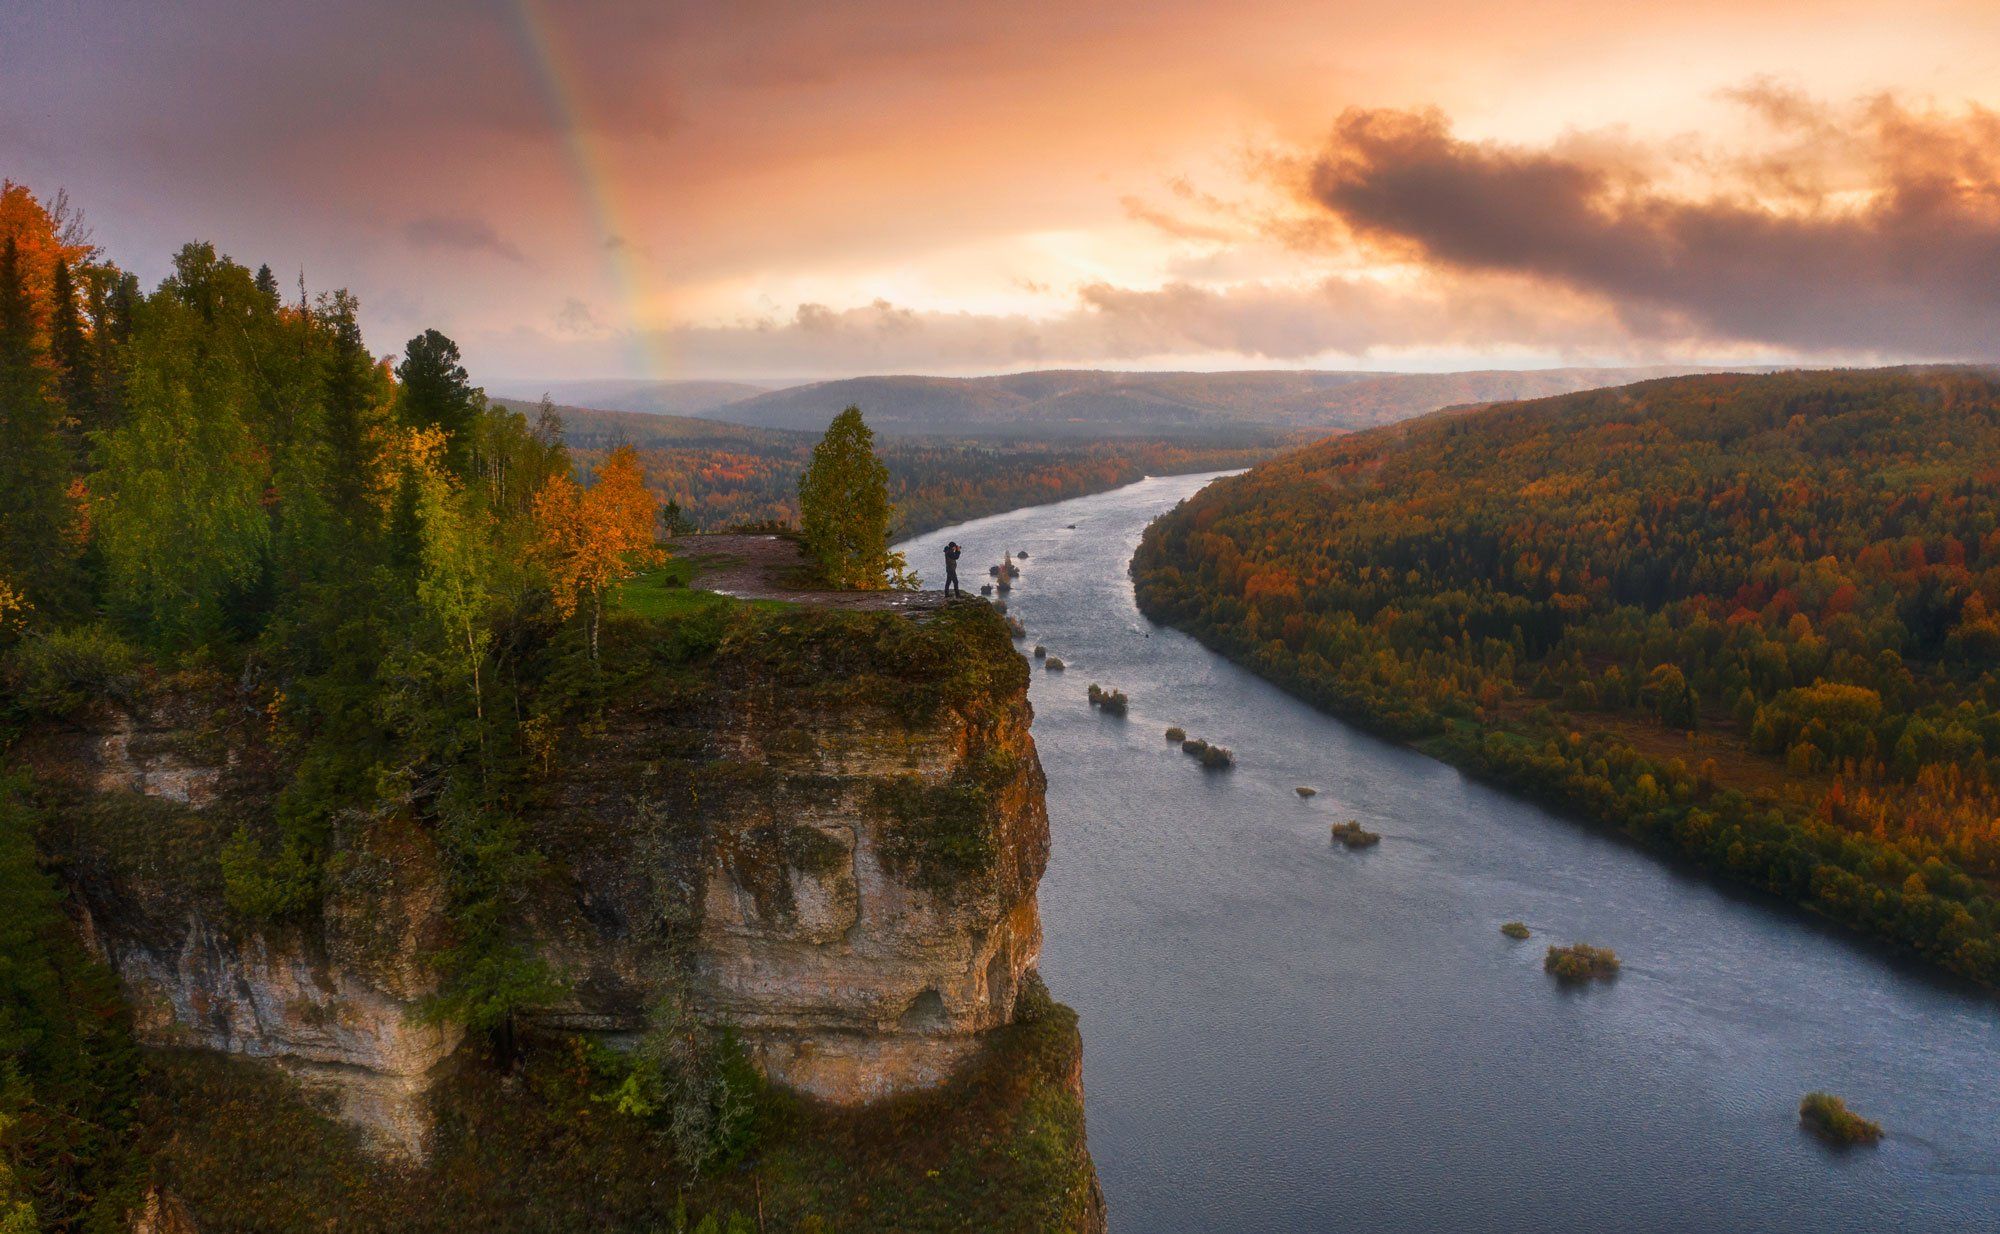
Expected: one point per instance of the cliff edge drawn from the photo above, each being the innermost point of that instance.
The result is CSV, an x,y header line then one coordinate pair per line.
x,y
816,831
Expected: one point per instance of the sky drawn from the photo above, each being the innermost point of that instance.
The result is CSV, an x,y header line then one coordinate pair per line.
x,y
762,191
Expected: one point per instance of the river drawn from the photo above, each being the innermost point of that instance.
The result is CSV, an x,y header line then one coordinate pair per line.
x,y
1283,1035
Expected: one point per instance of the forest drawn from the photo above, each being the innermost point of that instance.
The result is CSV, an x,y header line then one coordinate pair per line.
x,y
1752,621
715,475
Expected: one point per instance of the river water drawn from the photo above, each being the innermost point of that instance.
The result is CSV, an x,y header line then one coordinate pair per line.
x,y
1282,1035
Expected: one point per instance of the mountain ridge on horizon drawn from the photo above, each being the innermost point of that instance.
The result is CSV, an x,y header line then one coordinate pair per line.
x,y
1096,402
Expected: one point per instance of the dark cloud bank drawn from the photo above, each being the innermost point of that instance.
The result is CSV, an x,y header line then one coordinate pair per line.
x,y
1871,229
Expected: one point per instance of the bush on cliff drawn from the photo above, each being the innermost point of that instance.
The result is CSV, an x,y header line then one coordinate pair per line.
x,y
60,673
693,1085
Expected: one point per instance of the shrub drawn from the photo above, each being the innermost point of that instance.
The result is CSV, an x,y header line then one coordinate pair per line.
x,y
1023,554
1217,758
1015,629
65,670
693,1085
1176,733
1305,790
1195,746
1353,835
1112,702
1828,1117
1040,651
1580,962
1054,664
1515,930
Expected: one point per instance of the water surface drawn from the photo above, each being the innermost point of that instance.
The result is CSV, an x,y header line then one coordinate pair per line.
x,y
1281,1035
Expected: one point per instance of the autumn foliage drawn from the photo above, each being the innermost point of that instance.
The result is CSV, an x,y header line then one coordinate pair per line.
x,y
1747,618
589,538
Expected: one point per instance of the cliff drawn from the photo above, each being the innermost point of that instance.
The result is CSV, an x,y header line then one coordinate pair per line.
x,y
819,831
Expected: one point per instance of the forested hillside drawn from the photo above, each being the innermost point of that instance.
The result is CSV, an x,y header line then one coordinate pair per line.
x,y
380,602
719,475
1751,620
1094,403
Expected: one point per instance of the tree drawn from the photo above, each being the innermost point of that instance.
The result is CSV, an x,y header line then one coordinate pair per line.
x,y
70,349
436,394
452,587
588,539
844,508
180,499
352,397
35,512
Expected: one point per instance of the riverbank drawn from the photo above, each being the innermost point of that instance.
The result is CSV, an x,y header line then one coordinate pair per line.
x,y
1268,1016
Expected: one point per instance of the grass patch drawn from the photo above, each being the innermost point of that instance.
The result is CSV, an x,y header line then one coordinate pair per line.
x,y
668,593
1516,930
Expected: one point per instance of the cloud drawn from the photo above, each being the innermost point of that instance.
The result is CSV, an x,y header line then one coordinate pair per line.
x,y
461,234
1173,224
576,317
1275,323
1869,228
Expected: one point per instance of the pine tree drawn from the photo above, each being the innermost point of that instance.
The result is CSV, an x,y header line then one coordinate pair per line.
x,y
35,513
436,394
267,283
70,348
844,508
352,395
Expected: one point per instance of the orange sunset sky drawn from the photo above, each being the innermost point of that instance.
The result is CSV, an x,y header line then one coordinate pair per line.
x,y
788,190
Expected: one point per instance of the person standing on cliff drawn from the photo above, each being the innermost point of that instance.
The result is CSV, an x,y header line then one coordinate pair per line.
x,y
951,552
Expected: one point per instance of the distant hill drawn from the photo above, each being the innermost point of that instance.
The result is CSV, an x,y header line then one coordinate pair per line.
x,y
593,428
675,398
1091,403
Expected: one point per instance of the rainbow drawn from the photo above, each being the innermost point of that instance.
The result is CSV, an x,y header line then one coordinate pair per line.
x,y
594,180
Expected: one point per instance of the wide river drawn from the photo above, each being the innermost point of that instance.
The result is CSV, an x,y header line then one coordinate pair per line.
x,y
1282,1035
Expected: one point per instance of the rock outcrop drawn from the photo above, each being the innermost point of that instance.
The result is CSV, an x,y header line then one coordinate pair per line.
x,y
842,870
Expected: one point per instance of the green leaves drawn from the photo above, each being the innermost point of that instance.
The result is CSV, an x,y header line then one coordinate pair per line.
x,y
844,509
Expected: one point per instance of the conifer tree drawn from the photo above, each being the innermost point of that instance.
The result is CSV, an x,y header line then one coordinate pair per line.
x,y
436,394
35,513
844,506
70,348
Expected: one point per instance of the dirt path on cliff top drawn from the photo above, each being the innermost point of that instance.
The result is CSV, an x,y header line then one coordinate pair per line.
x,y
757,567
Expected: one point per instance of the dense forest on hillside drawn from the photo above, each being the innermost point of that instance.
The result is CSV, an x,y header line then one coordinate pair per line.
x,y
212,491
718,475
1750,620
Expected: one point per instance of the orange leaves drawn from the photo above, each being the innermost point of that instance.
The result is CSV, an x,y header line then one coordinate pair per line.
x,y
37,235
588,539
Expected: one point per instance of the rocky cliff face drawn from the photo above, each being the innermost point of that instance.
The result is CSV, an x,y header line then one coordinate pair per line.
x,y
845,875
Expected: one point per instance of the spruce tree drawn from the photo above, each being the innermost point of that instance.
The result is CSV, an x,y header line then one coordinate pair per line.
x,y
35,513
351,392
70,348
844,506
437,394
